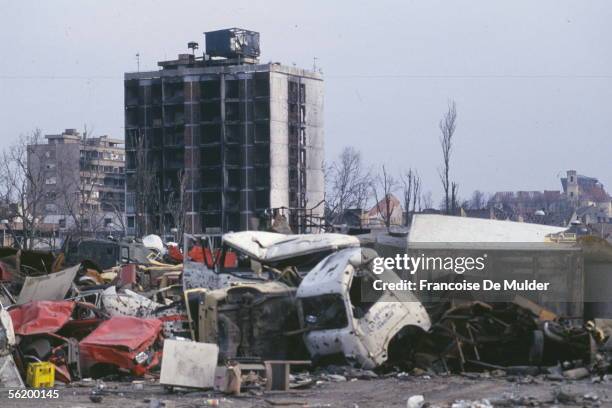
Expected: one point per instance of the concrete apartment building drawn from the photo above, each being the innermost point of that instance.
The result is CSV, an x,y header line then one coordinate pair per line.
x,y
84,181
242,136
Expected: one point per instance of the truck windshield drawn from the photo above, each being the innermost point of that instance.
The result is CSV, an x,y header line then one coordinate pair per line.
x,y
324,312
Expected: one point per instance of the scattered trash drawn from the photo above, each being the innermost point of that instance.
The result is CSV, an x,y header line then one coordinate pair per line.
x,y
577,373
233,379
416,401
95,397
484,403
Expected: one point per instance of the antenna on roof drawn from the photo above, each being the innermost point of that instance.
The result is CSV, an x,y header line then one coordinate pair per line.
x,y
138,61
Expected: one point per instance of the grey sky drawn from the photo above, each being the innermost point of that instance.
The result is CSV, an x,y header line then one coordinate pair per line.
x,y
532,79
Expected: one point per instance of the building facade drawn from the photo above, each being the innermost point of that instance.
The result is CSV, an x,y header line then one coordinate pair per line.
x,y
229,136
583,199
84,182
589,197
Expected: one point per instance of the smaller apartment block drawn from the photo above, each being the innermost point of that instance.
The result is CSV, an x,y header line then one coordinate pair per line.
x,y
84,181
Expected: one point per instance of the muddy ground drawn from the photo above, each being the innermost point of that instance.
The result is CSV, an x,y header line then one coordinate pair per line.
x,y
387,392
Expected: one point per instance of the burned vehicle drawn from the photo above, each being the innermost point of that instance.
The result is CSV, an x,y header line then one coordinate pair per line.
x,y
342,316
248,320
241,294
106,253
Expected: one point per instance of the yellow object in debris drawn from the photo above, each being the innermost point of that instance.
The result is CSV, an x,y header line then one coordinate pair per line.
x,y
108,276
41,375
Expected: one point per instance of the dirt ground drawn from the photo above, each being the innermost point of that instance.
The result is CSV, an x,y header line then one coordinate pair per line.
x,y
388,392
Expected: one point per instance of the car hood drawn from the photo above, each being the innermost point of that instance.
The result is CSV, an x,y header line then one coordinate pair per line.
x,y
271,247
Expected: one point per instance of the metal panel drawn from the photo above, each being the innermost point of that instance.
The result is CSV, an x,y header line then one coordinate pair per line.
x,y
189,364
232,42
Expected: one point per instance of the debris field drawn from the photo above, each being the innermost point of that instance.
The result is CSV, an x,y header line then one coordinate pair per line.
x,y
259,318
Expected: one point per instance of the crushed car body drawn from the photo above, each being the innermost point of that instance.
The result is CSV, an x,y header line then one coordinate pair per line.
x,y
41,317
249,320
124,343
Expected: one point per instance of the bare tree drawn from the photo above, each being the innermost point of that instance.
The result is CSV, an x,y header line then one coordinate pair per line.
x,y
447,129
80,195
22,182
176,204
412,193
416,196
348,184
478,200
383,187
147,196
118,212
408,181
454,198
427,200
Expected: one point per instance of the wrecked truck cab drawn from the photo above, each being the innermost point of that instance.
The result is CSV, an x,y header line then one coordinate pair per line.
x,y
338,319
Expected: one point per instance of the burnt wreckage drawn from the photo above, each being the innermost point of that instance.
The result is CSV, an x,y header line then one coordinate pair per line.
x,y
263,302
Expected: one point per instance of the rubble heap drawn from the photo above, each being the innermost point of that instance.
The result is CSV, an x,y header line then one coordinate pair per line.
x,y
262,311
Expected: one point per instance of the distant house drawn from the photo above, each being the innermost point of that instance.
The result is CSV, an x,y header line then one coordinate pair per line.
x,y
377,215
583,198
591,214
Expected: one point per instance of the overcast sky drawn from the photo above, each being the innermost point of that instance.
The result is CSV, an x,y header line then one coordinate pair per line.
x,y
532,79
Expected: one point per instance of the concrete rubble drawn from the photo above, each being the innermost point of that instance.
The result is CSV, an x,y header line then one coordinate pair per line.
x,y
254,313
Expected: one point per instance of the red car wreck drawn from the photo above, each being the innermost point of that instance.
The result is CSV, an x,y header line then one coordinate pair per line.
x,y
77,339
50,331
122,342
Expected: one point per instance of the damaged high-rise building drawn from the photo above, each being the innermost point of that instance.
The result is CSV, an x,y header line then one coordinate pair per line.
x,y
215,141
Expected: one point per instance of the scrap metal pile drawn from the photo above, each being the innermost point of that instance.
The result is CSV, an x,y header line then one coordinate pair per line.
x,y
519,338
239,310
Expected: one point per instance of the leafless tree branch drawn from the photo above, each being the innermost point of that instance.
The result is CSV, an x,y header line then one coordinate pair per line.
x,y
447,127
